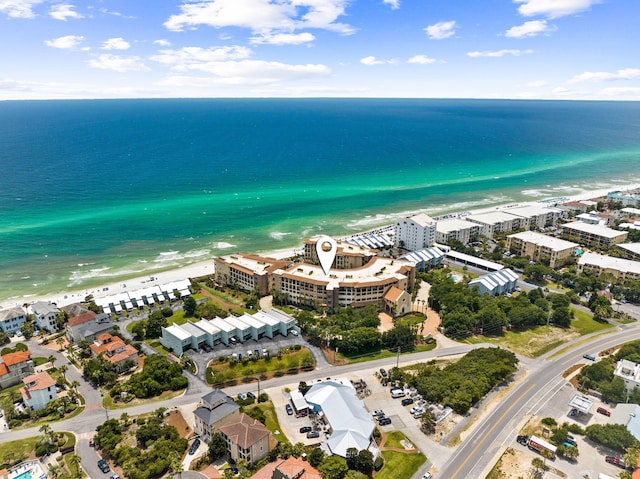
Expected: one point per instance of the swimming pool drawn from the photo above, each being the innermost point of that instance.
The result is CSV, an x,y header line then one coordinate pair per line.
x,y
23,475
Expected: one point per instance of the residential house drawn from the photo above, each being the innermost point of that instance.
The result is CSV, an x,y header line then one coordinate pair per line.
x,y
214,408
416,232
629,372
115,350
45,314
14,367
39,389
292,468
246,438
87,326
12,319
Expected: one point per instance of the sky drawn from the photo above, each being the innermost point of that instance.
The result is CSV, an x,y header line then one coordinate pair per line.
x,y
520,49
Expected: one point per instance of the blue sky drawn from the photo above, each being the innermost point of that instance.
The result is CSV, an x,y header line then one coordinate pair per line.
x,y
552,49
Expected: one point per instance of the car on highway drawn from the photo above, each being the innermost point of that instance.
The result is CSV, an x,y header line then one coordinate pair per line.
x,y
616,461
384,421
590,357
103,466
427,475
304,429
406,401
194,446
289,409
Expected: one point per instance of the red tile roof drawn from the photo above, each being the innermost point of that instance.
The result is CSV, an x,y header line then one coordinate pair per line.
x,y
83,318
244,430
42,380
18,357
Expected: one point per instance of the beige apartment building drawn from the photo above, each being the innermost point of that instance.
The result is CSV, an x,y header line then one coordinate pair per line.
x,y
594,235
540,247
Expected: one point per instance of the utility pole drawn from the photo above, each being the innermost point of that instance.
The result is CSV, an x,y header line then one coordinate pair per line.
x,y
335,351
398,358
258,388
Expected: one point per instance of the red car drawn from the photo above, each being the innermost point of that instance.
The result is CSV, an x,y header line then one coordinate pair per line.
x,y
604,411
90,442
616,461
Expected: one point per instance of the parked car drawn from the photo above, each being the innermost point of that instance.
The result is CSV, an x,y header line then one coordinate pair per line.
x,y
294,332
616,461
114,476
378,412
590,357
604,411
304,429
251,395
416,410
407,401
242,396
383,373
397,393
194,447
104,467
313,434
384,421
289,409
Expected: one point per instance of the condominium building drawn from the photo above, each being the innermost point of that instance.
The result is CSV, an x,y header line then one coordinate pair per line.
x,y
621,269
457,229
536,216
627,198
416,232
348,255
594,235
631,250
498,222
247,271
540,247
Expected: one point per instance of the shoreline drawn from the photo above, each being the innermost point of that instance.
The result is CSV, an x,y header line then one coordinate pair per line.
x,y
203,268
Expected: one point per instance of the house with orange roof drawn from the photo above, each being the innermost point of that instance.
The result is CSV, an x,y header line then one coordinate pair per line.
x,y
292,468
397,301
39,389
114,350
14,367
246,438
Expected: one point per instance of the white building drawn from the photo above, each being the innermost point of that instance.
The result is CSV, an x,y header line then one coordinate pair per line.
x,y
591,218
45,315
39,389
498,282
425,259
12,319
594,235
536,216
632,250
457,229
498,222
629,372
416,232
621,269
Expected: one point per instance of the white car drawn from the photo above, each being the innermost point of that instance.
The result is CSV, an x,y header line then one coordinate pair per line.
x,y
427,475
416,410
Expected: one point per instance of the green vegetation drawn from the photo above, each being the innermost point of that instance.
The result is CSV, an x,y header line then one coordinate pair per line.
x,y
289,359
584,323
615,436
155,344
14,452
400,464
271,419
395,438
385,353
463,383
39,361
158,375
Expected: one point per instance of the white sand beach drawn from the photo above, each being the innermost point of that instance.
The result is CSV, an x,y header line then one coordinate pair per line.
x,y
204,268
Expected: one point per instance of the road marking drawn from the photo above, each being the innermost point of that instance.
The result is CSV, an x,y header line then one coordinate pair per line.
x,y
495,424
610,343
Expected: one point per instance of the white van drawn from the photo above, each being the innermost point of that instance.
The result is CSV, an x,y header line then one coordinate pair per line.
x,y
397,393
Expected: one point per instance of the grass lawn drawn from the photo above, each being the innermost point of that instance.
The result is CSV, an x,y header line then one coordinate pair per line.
x,y
108,403
14,452
383,354
177,318
400,464
585,324
412,318
272,423
218,371
552,285
39,361
394,438
155,344
224,296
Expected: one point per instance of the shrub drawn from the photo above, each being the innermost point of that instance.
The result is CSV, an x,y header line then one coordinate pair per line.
x,y
379,462
549,421
264,397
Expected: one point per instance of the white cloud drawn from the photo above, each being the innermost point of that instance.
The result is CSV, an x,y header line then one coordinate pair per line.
x,y
371,60
63,11
66,42
283,38
395,4
421,60
19,8
530,29
183,58
629,92
162,42
498,53
441,30
246,72
115,44
625,74
553,8
117,63
262,16
536,84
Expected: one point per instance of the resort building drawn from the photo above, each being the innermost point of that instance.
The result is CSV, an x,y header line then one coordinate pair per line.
x,y
591,218
416,232
12,319
498,282
425,259
621,269
306,284
214,408
626,213
14,367
594,235
193,335
575,207
629,372
348,255
292,468
115,350
627,198
45,314
246,438
536,216
39,389
631,250
348,423
540,247
88,326
249,272
498,222
457,229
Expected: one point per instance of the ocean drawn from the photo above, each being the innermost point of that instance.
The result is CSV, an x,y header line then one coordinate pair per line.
x,y
98,191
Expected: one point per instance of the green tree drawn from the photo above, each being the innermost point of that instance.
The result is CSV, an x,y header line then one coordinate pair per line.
x,y
428,422
333,467
315,456
217,447
401,336
364,462
27,330
615,436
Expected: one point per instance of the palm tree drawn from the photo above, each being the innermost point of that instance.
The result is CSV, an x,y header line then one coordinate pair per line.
x,y
176,464
47,433
63,369
60,342
54,471
74,463
51,359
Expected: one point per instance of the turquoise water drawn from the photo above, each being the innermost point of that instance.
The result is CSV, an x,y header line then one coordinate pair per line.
x,y
24,475
93,192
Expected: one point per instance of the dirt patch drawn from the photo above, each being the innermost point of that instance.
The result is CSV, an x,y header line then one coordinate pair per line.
x,y
571,370
57,344
220,302
175,419
512,464
386,322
